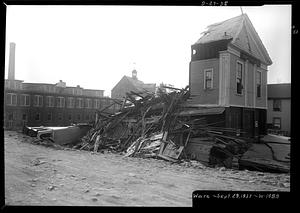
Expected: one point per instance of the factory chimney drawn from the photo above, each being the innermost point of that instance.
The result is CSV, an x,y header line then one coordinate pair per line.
x,y
11,65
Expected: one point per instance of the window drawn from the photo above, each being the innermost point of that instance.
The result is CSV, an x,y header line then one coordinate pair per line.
x,y
38,101
49,116
277,123
258,84
239,78
88,103
25,100
276,105
24,117
11,99
79,103
70,102
60,116
96,104
208,79
49,101
10,116
60,102
37,116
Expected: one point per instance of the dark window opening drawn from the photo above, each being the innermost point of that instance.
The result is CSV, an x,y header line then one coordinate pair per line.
x,y
258,84
277,105
24,117
239,78
37,116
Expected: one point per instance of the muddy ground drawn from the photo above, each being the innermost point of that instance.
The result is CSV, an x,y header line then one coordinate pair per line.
x,y
40,175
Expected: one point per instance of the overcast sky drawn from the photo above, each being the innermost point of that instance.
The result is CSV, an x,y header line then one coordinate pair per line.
x,y
95,46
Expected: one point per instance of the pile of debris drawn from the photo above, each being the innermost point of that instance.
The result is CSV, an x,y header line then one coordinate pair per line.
x,y
140,124
150,125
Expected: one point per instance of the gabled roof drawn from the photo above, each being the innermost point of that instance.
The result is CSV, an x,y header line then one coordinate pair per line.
x,y
140,85
242,33
279,90
137,84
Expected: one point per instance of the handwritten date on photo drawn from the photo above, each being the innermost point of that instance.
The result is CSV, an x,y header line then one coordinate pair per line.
x,y
237,195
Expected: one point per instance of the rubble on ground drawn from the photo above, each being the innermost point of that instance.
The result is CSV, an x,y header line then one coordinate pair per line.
x,y
152,126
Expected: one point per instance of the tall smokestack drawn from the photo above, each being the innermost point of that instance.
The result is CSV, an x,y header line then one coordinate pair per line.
x,y
11,66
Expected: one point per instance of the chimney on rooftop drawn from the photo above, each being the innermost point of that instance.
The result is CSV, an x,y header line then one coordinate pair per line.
x,y
11,65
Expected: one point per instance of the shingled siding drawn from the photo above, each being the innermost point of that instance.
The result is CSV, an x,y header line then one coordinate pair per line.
x,y
204,96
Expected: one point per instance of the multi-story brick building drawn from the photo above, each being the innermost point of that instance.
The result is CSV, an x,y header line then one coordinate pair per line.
x,y
228,70
36,104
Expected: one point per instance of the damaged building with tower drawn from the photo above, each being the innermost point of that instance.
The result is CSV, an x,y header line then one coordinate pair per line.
x,y
41,104
228,73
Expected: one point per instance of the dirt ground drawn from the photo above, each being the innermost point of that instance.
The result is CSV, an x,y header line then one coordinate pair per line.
x,y
39,175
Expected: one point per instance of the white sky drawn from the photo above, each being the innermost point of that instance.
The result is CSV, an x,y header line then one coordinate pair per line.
x,y
95,46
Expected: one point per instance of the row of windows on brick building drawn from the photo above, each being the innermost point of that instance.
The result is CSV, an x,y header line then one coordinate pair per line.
x,y
49,116
70,102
